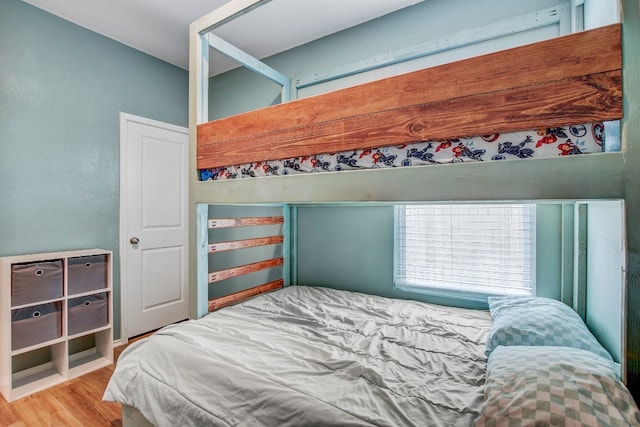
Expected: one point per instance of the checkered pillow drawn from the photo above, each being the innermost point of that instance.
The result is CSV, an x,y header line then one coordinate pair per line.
x,y
536,321
559,386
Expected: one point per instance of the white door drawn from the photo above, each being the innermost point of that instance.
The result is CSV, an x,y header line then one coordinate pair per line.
x,y
154,229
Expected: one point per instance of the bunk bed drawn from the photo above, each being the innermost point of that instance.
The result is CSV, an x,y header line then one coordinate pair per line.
x,y
493,99
296,355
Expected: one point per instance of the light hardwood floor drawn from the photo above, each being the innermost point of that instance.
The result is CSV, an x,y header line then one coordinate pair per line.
x,y
77,402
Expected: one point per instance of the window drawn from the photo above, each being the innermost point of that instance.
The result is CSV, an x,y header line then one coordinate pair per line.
x,y
477,248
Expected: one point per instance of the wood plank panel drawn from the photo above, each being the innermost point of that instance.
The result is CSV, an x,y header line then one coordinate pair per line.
x,y
592,53
216,303
569,56
246,243
219,275
244,222
570,101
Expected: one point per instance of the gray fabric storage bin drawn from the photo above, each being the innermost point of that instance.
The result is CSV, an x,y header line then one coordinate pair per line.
x,y
88,312
86,273
35,324
34,282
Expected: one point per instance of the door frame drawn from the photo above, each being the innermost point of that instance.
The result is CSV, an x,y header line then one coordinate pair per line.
x,y
125,119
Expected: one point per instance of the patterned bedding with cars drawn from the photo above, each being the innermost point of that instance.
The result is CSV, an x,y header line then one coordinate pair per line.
x,y
546,142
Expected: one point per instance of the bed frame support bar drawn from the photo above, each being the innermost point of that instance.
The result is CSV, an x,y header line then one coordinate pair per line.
x,y
199,49
225,13
228,273
246,243
251,63
217,303
245,222
525,22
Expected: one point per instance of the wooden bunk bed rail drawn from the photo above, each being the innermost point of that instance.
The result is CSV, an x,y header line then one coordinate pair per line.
x,y
232,245
562,81
246,243
245,222
216,276
235,297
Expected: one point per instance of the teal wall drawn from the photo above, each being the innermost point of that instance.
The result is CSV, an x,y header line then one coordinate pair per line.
x,y
61,90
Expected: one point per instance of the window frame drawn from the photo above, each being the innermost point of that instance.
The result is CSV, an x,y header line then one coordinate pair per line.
x,y
459,293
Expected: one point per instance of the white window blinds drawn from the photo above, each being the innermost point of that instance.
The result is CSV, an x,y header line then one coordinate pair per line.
x,y
478,248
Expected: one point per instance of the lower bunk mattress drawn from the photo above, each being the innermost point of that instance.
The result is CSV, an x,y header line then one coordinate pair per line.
x,y
310,356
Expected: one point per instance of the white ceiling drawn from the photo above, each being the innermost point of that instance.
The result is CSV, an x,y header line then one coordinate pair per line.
x,y
161,27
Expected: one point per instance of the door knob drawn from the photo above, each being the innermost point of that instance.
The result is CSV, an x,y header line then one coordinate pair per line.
x,y
134,240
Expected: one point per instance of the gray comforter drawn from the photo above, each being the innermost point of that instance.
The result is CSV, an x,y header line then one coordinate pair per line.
x,y
308,356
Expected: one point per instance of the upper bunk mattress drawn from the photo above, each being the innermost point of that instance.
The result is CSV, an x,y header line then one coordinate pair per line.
x,y
311,356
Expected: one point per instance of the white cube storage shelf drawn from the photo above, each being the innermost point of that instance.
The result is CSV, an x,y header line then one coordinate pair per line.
x,y
56,314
